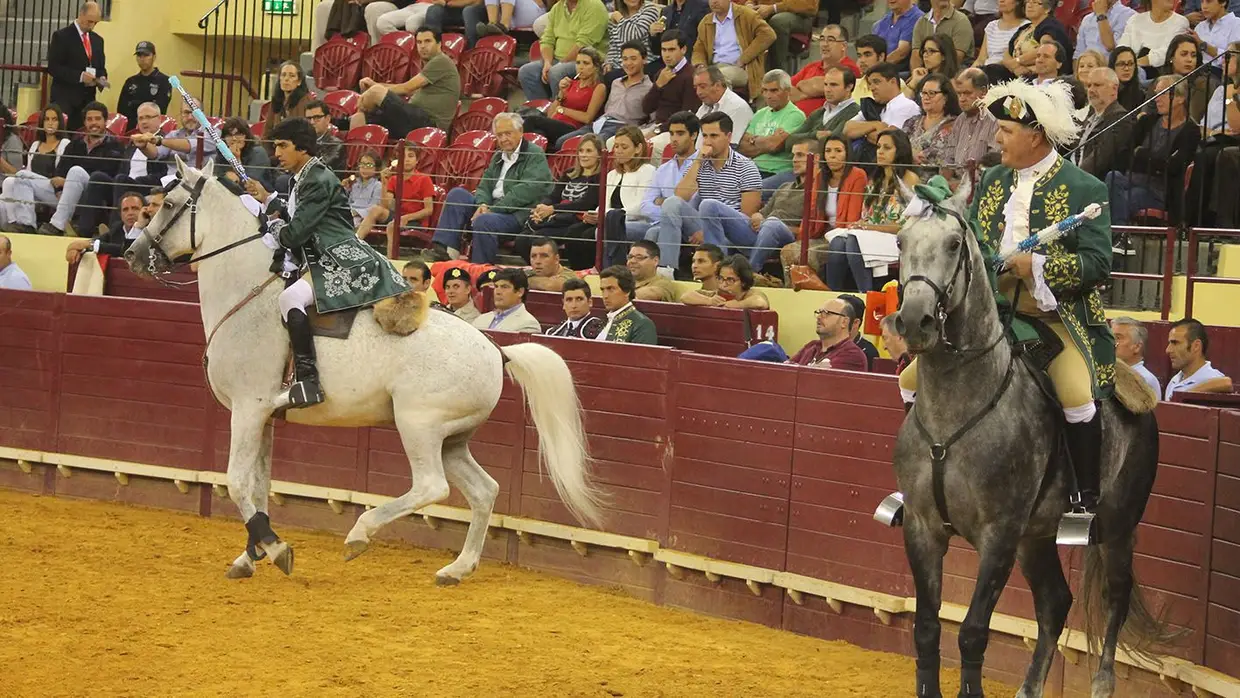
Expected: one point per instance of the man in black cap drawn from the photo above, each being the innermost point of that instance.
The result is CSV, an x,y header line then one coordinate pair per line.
x,y
148,85
457,288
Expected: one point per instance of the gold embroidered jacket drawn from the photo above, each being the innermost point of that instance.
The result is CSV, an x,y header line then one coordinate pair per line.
x,y
1076,264
632,327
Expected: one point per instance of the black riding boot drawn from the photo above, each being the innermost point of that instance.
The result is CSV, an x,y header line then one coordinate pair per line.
x,y
305,390
1085,448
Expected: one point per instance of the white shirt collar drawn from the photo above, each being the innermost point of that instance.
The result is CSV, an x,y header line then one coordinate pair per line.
x,y
1040,167
613,314
510,159
725,19
80,31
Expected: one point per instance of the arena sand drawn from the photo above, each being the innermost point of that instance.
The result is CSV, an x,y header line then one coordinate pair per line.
x,y
101,599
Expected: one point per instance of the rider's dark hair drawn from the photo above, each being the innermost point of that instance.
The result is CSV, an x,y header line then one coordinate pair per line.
x,y
577,285
1194,331
622,275
299,132
514,276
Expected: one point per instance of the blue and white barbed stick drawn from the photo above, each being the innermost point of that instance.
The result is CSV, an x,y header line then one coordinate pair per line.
x,y
205,123
1050,234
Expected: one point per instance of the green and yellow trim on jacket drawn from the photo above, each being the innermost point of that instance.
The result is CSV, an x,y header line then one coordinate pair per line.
x,y
1077,265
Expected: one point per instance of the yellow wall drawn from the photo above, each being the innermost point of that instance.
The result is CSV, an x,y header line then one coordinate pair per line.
x,y
43,259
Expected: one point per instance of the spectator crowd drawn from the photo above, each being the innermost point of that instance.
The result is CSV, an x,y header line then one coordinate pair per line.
x,y
685,135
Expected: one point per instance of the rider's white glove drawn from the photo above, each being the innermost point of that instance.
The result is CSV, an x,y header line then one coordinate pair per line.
x,y
271,242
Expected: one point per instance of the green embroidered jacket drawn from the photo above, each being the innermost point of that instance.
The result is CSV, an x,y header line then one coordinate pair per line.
x,y
632,327
345,271
1076,264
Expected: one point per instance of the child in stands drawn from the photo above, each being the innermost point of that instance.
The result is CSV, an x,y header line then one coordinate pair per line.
x,y
417,196
366,193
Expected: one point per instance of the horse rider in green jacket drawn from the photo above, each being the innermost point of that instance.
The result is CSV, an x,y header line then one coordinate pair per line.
x,y
316,228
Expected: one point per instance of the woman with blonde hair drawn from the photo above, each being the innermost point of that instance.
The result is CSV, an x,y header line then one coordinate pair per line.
x,y
1086,62
627,183
581,100
570,214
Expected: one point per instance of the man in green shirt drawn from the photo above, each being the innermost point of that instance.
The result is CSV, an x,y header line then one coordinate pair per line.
x,y
433,94
765,140
571,25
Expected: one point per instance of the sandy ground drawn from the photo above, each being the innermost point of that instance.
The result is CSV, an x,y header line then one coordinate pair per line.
x,y
102,599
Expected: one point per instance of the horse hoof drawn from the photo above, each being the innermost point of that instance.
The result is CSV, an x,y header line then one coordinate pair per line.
x,y
354,548
444,580
240,572
282,557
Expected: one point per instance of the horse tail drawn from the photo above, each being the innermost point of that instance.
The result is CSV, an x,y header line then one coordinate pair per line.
x,y
552,397
1146,632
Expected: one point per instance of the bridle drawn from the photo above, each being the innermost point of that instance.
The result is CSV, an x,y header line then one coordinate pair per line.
x,y
943,294
159,265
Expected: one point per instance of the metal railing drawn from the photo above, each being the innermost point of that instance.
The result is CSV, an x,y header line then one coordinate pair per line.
x,y
242,45
25,30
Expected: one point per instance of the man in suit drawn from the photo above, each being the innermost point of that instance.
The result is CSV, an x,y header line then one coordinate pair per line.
x,y
118,238
77,65
625,323
510,314
578,320
1104,152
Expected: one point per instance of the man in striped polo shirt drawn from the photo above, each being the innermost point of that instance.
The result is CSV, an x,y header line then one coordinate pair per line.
x,y
725,184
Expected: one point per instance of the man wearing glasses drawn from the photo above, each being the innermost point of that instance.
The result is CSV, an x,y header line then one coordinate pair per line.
x,y
808,85
331,148
834,347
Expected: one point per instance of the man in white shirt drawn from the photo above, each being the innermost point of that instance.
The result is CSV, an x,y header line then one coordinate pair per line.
x,y
1216,30
11,275
510,314
884,81
1048,62
1130,339
1100,30
1149,34
712,88
1187,347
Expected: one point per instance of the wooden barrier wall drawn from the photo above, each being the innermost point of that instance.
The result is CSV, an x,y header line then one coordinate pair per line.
x,y
770,466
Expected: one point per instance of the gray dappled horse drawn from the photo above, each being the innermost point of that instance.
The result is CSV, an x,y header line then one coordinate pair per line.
x,y
1005,478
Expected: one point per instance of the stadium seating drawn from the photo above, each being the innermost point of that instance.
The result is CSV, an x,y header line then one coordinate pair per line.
x,y
338,65
467,159
389,62
363,138
341,104
453,45
117,124
479,115
537,139
563,161
481,66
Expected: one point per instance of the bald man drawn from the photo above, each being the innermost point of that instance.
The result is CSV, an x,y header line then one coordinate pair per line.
x,y
76,62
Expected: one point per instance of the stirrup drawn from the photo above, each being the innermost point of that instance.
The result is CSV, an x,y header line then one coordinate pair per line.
x,y
302,393
1076,528
890,511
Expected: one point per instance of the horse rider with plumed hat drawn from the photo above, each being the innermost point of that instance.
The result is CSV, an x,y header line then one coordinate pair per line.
x,y
1053,290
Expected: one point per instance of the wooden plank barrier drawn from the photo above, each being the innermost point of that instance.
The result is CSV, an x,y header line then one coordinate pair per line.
x,y
733,488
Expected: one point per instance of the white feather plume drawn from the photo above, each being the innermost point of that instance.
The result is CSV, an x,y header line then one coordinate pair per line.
x,y
1051,103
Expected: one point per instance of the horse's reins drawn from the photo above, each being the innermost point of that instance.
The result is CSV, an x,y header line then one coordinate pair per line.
x,y
942,296
159,257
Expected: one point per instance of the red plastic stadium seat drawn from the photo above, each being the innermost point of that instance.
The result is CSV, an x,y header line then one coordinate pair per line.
x,y
563,160
539,104
453,45
215,122
399,38
479,115
168,125
537,139
363,138
117,124
258,129
503,43
481,69
359,39
510,73
338,65
669,152
389,63
341,104
467,159
429,142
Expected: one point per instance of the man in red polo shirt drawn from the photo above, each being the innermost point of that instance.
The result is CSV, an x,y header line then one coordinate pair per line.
x,y
834,347
807,84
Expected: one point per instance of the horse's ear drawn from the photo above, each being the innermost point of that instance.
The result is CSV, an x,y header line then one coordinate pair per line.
x,y
209,170
959,201
182,169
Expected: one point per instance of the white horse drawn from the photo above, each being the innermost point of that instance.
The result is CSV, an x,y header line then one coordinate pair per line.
x,y
437,385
